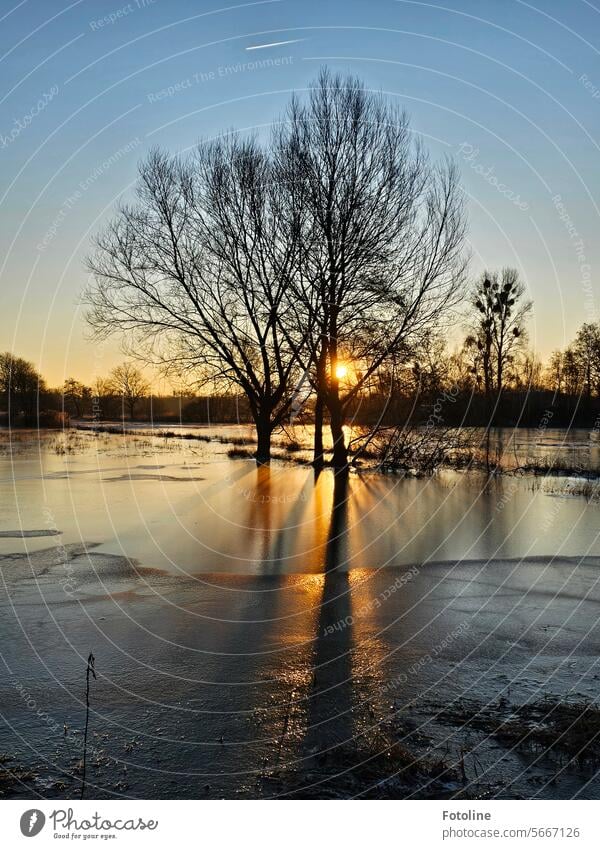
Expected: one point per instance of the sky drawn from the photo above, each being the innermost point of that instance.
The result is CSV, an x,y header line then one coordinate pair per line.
x,y
509,89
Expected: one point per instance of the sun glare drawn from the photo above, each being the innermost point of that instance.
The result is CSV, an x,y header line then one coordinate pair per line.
x,y
341,371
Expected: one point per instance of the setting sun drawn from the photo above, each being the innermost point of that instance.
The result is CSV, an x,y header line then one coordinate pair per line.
x,y
341,371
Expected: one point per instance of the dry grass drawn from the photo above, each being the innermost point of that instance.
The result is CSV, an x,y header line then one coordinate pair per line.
x,y
566,730
12,774
381,768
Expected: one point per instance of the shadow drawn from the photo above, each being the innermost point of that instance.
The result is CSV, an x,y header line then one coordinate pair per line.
x,y
329,712
259,522
282,555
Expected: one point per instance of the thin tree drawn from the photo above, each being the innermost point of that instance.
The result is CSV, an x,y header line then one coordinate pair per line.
x,y
500,313
511,313
498,332
101,397
484,301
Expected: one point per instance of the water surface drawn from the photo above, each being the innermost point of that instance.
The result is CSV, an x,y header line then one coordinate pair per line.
x,y
184,506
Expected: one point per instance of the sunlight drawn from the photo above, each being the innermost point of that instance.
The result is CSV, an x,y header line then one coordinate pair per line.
x,y
341,371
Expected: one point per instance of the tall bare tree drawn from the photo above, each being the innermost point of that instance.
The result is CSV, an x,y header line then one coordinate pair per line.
x,y
382,241
260,267
197,272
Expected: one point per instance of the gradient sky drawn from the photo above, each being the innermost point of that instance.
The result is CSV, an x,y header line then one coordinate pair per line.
x,y
510,89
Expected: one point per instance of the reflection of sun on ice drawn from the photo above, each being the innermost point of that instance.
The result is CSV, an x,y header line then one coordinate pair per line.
x,y
341,371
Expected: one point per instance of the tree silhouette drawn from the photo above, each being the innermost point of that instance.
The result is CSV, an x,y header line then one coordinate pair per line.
x,y
382,238
128,382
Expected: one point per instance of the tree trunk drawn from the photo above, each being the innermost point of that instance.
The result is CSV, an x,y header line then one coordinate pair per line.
x,y
318,458
340,451
263,434
318,455
488,424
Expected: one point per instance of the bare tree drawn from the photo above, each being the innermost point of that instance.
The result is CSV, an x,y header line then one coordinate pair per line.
x,y
20,385
382,241
128,382
76,396
587,350
528,374
101,397
197,273
481,341
554,378
511,313
571,372
258,269
499,325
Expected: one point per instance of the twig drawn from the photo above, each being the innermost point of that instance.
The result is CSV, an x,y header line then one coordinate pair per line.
x,y
90,668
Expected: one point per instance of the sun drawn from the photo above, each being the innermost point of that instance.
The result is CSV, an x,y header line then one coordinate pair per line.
x,y
341,371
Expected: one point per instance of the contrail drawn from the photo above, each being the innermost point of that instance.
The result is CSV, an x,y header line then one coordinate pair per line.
x,y
274,44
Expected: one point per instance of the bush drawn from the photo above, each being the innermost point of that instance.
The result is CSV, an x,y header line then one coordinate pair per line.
x,y
55,419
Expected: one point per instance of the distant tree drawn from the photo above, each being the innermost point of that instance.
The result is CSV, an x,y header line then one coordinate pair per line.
x,y
587,350
183,392
553,373
527,372
76,397
481,341
572,375
500,313
463,367
20,385
432,365
129,383
102,400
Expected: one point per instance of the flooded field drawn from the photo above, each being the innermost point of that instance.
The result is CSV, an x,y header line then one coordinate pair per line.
x,y
184,506
262,632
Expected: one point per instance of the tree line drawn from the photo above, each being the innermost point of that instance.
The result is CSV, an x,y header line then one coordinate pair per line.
x,y
491,378
25,394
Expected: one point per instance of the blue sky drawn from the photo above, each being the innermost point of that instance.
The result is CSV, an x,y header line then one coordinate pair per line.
x,y
510,89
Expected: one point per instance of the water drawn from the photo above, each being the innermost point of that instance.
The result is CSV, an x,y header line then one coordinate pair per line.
x,y
184,507
515,447
228,648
